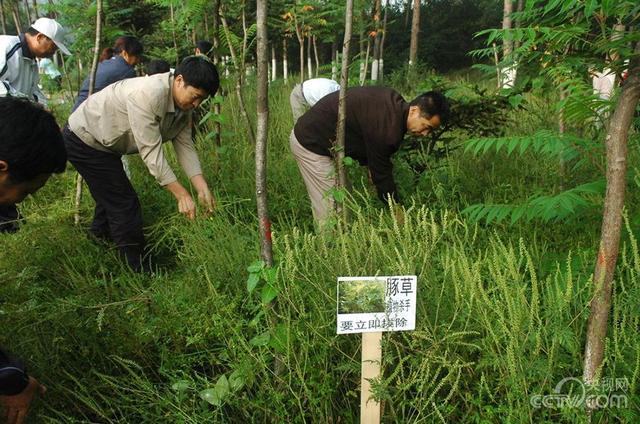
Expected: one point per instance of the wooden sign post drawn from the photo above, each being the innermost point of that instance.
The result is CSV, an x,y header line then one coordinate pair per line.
x,y
371,359
371,305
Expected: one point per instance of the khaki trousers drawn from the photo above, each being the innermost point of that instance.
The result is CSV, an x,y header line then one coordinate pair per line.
x,y
318,173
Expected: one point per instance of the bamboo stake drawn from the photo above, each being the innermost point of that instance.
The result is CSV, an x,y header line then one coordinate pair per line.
x,y
216,61
92,83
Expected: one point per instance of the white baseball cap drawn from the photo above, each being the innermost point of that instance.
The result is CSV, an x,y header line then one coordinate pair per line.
x,y
53,30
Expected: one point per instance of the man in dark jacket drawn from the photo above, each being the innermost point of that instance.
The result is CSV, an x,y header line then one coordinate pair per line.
x,y
376,122
31,149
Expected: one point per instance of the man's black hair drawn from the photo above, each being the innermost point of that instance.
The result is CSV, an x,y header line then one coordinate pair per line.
x,y
205,47
199,72
30,140
158,66
432,103
32,31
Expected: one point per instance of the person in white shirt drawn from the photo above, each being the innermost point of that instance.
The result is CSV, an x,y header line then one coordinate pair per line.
x,y
603,83
19,78
18,66
307,94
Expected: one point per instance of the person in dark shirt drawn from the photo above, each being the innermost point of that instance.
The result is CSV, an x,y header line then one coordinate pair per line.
x,y
31,149
204,48
157,66
377,120
117,63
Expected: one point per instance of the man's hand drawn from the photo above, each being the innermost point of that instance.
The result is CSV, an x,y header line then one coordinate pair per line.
x,y
205,197
186,205
207,200
16,407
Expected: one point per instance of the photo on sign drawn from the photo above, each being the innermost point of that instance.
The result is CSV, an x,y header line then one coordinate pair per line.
x,y
361,297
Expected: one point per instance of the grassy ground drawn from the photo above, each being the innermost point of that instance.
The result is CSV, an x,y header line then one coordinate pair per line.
x,y
502,310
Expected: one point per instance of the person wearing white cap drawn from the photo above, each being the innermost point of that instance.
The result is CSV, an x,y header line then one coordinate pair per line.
x,y
306,94
18,53
19,78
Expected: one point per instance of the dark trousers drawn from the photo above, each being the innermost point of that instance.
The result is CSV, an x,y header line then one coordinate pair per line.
x,y
118,215
9,219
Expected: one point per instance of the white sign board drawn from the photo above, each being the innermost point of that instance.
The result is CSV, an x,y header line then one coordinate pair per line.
x,y
372,304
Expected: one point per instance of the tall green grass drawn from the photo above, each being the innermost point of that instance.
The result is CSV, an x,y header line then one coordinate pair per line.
x,y
501,310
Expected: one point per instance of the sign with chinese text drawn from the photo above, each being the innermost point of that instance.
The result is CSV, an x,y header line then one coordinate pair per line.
x,y
371,304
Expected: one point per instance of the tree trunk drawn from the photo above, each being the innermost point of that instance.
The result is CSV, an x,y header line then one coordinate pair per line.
x,y
407,8
245,36
616,34
362,44
334,61
3,18
517,23
415,30
262,92
616,145
65,74
217,108
365,71
342,104
375,64
309,67
285,65
16,17
300,36
92,84
80,71
52,14
301,41
384,35
496,61
239,78
173,30
507,44
315,53
274,72
96,48
26,6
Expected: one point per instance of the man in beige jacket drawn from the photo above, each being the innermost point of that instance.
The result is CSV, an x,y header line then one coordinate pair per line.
x,y
138,115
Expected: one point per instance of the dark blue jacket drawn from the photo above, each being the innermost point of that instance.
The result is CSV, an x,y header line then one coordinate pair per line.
x,y
109,71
